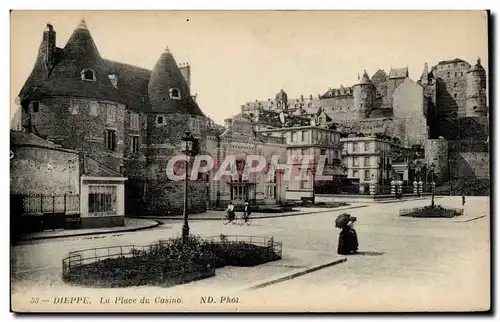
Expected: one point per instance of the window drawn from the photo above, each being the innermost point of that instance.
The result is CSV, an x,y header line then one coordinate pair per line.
x,y
88,75
114,80
160,119
305,151
456,74
461,73
111,112
455,85
304,136
366,146
134,121
74,107
367,175
175,94
134,144
294,137
355,174
36,107
304,184
93,108
367,160
102,200
323,151
455,95
110,139
355,147
355,162
448,74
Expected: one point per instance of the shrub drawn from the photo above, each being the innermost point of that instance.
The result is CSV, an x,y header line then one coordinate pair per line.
x,y
170,262
436,211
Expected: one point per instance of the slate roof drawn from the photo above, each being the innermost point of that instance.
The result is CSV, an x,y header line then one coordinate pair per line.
x,y
365,80
18,138
272,118
456,60
399,73
138,88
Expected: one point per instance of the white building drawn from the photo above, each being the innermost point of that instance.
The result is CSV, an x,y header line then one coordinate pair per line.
x,y
368,159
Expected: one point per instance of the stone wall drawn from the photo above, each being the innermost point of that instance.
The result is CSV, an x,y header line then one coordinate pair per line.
x,y
165,197
340,108
35,170
70,122
452,89
436,151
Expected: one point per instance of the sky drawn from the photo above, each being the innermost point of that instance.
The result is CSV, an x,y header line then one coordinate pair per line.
x,y
237,57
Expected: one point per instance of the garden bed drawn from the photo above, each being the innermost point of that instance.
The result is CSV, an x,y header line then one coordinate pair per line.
x,y
431,212
307,204
165,263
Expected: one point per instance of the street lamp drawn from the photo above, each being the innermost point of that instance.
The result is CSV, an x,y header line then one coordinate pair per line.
x,y
189,139
433,184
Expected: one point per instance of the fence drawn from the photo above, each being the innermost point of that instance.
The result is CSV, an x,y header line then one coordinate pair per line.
x,y
266,242
144,267
40,204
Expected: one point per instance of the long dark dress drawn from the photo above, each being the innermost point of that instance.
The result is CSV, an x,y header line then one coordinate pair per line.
x,y
348,241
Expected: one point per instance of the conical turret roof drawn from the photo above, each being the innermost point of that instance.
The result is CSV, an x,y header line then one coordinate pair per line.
x,y
81,45
477,67
365,80
167,79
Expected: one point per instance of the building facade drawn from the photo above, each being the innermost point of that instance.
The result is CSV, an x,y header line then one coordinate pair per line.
x,y
239,139
128,118
448,102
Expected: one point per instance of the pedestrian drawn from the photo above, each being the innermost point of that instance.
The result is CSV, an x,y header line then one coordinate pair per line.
x,y
348,239
246,211
230,211
463,200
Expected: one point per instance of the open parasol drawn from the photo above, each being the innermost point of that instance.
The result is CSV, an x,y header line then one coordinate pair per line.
x,y
342,220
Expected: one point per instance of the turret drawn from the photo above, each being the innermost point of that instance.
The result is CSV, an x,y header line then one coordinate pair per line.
x,y
364,96
282,100
49,46
424,79
168,89
476,91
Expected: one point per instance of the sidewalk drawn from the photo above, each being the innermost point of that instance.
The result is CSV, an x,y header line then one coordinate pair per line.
x,y
131,224
217,215
295,263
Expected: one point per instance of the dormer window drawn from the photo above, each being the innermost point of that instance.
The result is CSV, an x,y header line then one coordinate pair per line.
x,y
175,93
88,75
114,80
160,119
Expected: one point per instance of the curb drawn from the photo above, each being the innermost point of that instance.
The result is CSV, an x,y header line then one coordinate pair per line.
x,y
293,275
471,219
407,199
254,217
156,224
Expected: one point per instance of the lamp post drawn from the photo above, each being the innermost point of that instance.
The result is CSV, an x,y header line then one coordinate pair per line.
x,y
449,175
433,166
188,139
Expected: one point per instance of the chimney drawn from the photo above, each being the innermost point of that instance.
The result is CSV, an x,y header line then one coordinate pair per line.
x,y
186,72
49,46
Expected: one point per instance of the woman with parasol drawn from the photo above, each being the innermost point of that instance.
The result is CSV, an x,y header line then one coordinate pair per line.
x,y
348,239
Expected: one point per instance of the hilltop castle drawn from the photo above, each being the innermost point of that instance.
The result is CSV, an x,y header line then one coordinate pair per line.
x,y
445,112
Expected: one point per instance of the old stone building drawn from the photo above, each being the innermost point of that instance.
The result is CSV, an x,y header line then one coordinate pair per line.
x,y
52,187
447,103
239,139
128,118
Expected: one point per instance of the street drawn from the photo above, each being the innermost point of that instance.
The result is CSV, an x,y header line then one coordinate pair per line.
x,y
403,263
